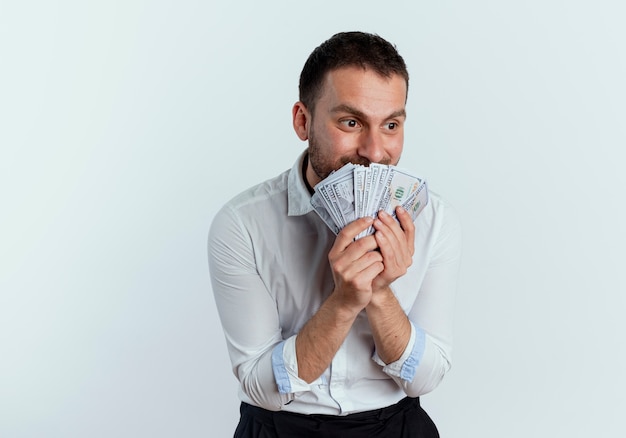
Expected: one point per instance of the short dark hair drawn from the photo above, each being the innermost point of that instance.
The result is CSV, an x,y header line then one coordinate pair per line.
x,y
346,49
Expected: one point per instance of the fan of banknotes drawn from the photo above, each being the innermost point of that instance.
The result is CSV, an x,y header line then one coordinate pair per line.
x,y
356,191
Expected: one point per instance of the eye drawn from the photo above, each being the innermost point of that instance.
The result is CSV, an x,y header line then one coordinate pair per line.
x,y
350,123
391,126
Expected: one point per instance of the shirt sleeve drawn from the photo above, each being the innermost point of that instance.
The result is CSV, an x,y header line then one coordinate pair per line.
x,y
241,295
285,366
428,355
406,366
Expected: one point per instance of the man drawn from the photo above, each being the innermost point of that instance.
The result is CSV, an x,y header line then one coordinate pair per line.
x,y
328,335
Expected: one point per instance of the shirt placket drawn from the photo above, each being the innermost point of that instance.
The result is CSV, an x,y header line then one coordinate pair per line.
x,y
338,380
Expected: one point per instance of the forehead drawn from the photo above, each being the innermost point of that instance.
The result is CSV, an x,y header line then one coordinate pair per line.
x,y
363,87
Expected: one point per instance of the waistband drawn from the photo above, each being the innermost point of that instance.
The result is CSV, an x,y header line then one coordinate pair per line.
x,y
375,415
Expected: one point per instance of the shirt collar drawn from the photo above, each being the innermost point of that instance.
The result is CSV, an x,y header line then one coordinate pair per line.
x,y
299,198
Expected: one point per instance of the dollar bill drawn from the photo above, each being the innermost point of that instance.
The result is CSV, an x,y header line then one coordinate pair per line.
x,y
356,191
320,208
400,185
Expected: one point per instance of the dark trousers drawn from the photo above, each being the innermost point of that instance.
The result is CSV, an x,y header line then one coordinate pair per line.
x,y
406,419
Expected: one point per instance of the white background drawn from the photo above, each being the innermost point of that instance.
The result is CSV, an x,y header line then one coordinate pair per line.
x,y
125,125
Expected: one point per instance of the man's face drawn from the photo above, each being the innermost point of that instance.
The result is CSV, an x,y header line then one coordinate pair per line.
x,y
358,118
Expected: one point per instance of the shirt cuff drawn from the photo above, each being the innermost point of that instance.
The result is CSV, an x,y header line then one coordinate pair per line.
x,y
406,367
285,366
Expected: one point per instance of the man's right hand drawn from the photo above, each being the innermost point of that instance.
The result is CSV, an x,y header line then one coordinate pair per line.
x,y
355,265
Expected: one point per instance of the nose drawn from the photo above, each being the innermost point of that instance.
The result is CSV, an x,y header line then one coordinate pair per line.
x,y
371,146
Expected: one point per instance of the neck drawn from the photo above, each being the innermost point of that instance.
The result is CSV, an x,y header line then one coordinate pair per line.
x,y
305,165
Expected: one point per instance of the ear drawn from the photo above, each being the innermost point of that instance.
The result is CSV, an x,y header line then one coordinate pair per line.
x,y
301,120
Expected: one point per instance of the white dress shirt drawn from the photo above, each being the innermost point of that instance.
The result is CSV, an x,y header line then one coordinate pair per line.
x,y
268,258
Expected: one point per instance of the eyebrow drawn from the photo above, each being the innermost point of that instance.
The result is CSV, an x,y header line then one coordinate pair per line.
x,y
343,108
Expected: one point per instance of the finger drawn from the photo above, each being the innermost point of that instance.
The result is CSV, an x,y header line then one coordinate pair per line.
x,y
372,271
358,274
361,266
391,248
395,244
342,257
386,225
406,222
386,248
349,232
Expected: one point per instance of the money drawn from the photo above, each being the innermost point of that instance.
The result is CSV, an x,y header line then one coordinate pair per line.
x,y
356,191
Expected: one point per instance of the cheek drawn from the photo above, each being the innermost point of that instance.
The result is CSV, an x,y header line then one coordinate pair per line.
x,y
325,135
340,141
337,142
395,147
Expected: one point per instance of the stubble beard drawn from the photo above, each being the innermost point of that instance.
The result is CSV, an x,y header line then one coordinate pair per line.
x,y
323,165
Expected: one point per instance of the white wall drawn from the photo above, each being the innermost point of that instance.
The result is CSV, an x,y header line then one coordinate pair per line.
x,y
125,125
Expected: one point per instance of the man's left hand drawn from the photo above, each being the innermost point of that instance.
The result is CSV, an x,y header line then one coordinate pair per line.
x,y
396,243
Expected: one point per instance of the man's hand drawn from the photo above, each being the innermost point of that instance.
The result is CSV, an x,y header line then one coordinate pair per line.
x,y
362,277
396,243
390,326
355,265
